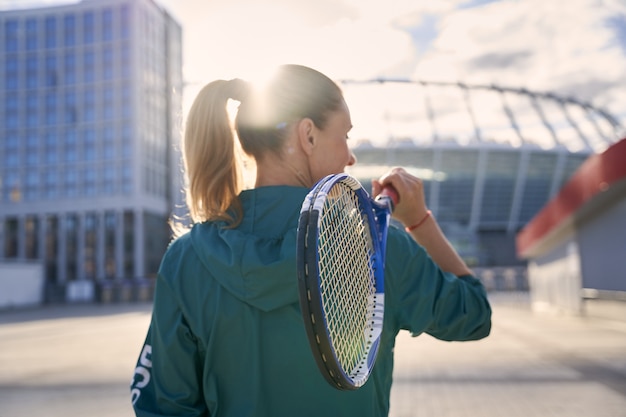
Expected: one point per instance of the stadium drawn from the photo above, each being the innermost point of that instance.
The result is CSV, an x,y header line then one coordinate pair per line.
x,y
491,157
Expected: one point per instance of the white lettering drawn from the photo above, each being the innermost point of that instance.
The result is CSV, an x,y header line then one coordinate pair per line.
x,y
145,374
141,378
146,356
134,395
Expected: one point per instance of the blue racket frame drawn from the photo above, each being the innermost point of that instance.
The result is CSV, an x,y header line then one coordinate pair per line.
x,y
377,214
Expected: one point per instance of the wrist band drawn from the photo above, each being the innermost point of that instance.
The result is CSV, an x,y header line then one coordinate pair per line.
x,y
409,229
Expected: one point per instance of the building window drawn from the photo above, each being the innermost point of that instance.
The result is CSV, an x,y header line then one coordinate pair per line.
x,y
70,146
32,148
11,118
88,27
51,180
89,105
71,112
11,73
11,226
70,68
32,109
71,246
107,63
32,185
127,138
90,181
11,113
91,246
51,71
11,36
89,144
89,66
11,102
32,71
107,24
108,107
52,248
51,32
108,183
127,178
11,158
108,143
31,229
31,34
110,227
51,108
12,188
129,244
71,182
69,30
51,147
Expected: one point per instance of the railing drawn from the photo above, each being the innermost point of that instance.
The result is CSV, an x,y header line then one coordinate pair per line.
x,y
513,278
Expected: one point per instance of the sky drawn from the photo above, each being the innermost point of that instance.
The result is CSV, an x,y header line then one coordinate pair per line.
x,y
574,48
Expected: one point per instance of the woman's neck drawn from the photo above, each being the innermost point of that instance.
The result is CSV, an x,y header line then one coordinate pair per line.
x,y
282,170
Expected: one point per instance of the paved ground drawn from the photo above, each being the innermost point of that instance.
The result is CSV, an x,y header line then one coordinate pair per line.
x,y
77,360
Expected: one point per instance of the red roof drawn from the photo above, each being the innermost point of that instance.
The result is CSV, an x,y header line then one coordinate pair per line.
x,y
594,176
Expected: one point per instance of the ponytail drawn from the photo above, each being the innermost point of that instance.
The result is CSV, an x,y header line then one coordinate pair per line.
x,y
213,166
210,159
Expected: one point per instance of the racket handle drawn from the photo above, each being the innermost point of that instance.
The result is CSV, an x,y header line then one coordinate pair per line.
x,y
391,193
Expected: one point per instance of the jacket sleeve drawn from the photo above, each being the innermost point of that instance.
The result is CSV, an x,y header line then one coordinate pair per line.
x,y
168,376
426,299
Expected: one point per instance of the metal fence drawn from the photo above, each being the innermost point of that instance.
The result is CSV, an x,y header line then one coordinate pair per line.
x,y
514,278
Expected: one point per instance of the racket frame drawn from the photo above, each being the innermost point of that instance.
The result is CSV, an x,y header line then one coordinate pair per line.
x,y
377,214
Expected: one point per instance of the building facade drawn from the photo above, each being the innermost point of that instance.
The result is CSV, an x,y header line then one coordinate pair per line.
x,y
90,110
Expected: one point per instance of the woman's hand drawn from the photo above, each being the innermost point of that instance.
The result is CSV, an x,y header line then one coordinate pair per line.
x,y
412,212
411,205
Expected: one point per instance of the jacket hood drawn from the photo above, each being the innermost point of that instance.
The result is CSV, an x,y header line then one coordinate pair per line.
x,y
256,262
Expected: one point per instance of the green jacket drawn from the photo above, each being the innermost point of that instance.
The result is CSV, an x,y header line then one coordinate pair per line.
x,y
227,338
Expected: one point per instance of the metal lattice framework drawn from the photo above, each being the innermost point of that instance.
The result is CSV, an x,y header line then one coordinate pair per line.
x,y
565,121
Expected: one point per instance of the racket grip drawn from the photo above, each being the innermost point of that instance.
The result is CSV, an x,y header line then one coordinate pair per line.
x,y
391,193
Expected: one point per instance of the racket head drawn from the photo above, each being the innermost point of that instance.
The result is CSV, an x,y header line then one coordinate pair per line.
x,y
340,259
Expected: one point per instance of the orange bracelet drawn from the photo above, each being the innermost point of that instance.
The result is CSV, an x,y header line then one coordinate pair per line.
x,y
409,229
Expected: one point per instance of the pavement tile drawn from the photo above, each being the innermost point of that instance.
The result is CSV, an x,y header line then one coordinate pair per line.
x,y
77,360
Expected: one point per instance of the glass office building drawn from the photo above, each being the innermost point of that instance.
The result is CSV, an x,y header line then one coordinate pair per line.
x,y
490,157
90,109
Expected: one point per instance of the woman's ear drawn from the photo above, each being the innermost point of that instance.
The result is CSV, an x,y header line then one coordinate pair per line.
x,y
306,130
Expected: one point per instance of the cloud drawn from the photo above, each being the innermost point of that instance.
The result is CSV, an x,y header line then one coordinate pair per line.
x,y
575,49
536,44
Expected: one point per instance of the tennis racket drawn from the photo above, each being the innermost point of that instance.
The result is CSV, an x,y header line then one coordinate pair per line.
x,y
341,242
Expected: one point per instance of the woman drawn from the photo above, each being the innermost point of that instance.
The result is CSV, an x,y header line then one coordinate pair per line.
x,y
226,336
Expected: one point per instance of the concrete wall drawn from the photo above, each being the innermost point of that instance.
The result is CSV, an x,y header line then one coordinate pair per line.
x,y
555,280
602,242
21,284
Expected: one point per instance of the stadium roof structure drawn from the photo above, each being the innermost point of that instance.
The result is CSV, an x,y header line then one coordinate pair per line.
x,y
408,113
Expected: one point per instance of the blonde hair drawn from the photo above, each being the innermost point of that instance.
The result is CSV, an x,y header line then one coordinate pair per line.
x,y
212,166
209,156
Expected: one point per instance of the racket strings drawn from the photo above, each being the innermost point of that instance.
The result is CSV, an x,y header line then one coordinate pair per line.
x,y
346,276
